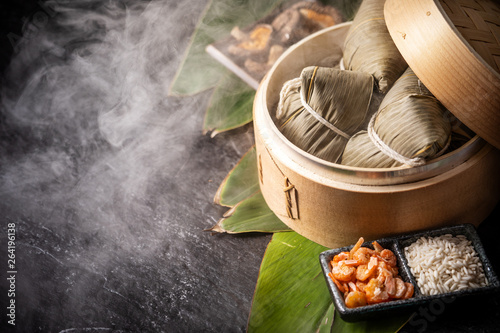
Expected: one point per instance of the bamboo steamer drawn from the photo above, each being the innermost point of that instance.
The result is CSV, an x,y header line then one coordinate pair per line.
x,y
334,205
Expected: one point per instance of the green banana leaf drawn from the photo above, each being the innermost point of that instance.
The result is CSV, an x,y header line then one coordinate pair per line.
x,y
199,71
249,211
230,106
348,8
325,326
241,182
291,294
250,215
389,325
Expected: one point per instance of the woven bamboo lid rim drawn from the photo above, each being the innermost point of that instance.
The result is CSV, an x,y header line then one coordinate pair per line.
x,y
478,28
447,64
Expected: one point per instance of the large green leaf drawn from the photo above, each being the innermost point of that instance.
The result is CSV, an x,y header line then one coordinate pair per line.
x,y
386,325
347,7
241,182
325,325
250,215
199,71
230,106
291,294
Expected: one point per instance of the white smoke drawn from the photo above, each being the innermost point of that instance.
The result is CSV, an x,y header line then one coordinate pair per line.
x,y
88,91
101,171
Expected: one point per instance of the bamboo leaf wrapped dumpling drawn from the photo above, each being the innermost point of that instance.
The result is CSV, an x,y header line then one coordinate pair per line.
x,y
369,47
410,127
360,151
323,108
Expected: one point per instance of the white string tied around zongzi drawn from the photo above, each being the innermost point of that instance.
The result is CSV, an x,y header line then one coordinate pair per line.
x,y
322,120
296,84
384,148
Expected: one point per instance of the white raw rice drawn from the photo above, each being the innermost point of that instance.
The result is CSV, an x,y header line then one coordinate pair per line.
x,y
445,264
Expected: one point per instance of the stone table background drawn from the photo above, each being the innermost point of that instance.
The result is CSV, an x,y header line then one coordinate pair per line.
x,y
110,182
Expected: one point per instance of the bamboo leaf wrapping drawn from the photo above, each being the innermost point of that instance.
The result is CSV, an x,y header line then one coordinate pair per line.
x,y
369,48
410,120
342,98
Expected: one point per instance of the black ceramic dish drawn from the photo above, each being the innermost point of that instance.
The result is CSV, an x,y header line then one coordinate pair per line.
x,y
397,245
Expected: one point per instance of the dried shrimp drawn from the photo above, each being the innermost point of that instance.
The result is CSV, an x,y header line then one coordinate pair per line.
x,y
367,276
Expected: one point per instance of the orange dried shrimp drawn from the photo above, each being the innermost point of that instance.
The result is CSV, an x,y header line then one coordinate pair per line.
x,y
367,276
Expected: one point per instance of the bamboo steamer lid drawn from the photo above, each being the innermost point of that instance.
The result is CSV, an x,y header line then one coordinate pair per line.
x,y
454,48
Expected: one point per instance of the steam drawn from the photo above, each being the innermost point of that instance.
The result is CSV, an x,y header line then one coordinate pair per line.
x,y
98,169
86,98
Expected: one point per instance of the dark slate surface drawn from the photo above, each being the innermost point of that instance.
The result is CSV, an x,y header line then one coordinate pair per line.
x,y
109,181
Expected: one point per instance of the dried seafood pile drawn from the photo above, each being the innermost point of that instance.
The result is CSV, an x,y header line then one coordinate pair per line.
x,y
256,48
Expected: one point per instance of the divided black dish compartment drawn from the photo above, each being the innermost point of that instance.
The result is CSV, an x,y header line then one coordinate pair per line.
x,y
397,245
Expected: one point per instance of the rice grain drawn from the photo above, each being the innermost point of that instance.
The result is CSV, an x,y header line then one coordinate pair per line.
x,y
444,264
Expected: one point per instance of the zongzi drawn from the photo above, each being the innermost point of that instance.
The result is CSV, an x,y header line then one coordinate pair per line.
x,y
323,108
369,48
410,127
